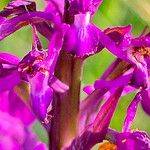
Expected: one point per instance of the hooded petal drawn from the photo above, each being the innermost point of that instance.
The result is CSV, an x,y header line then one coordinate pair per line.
x,y
113,48
82,38
120,34
77,6
55,6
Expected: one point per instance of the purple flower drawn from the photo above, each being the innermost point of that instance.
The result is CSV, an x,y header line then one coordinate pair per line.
x,y
48,81
15,134
83,38
133,72
129,139
37,69
15,126
138,140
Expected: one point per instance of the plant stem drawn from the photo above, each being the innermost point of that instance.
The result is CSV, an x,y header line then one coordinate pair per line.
x,y
66,105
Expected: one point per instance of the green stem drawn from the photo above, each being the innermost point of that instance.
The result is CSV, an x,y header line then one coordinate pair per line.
x,y
66,106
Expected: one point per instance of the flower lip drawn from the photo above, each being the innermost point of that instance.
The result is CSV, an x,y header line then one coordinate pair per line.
x,y
135,139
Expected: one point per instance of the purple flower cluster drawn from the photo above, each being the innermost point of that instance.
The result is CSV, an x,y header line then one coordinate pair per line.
x,y
45,83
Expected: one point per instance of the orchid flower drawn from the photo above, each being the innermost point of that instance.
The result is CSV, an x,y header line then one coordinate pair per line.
x,y
46,83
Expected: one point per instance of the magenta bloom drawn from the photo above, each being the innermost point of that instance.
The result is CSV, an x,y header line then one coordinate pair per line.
x,y
46,83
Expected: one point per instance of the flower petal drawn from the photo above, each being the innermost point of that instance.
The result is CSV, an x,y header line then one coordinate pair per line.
x,y
7,27
18,109
41,96
120,81
86,113
55,7
6,58
41,146
119,34
113,48
89,89
82,40
145,94
136,140
17,7
131,112
57,85
9,81
140,76
83,6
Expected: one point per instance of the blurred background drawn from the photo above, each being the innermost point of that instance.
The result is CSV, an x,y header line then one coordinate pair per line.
x,y
111,13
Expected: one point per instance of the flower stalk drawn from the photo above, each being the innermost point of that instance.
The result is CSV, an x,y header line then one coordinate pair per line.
x,y
65,121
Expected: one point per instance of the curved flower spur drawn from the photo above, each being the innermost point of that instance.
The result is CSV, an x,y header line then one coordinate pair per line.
x,y
48,81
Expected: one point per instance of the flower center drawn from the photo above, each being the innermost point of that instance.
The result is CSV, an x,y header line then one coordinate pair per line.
x,y
31,64
144,51
108,146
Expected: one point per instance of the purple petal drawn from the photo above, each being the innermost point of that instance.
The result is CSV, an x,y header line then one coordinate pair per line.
x,y
86,113
18,109
106,111
82,39
127,89
55,46
55,7
140,76
41,96
6,58
14,134
9,81
4,101
57,85
131,112
89,89
83,6
112,47
11,131
136,140
142,40
9,26
41,147
145,94
120,81
17,7
119,34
